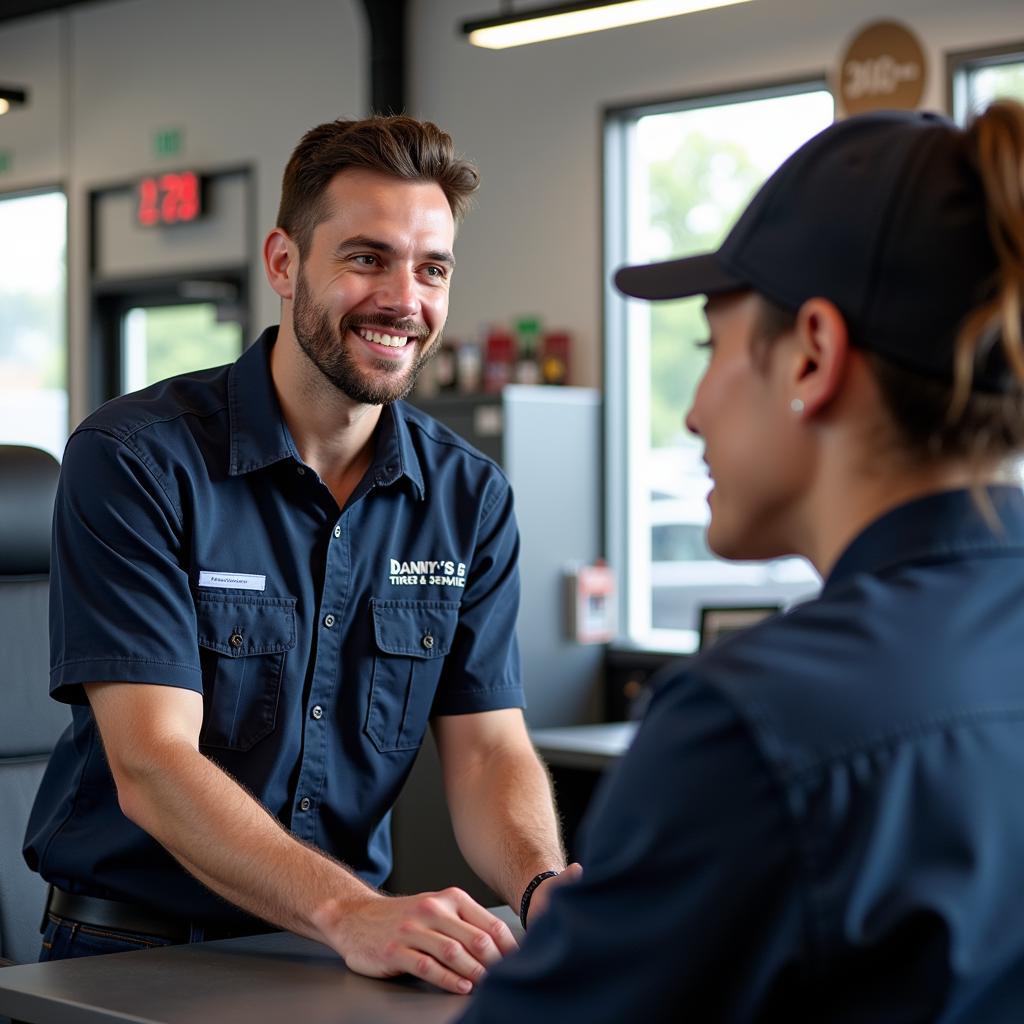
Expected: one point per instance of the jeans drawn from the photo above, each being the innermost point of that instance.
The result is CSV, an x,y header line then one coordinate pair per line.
x,y
63,939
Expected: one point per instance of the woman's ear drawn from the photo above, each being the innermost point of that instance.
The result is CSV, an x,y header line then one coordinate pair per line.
x,y
822,346
281,263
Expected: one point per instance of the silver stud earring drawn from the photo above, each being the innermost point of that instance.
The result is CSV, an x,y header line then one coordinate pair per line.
x,y
797,405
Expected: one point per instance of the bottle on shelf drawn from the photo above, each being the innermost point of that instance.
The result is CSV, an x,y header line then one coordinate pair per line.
x,y
469,365
554,359
445,366
499,359
528,361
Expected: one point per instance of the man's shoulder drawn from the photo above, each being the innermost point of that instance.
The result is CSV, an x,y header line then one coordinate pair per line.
x,y
158,408
438,442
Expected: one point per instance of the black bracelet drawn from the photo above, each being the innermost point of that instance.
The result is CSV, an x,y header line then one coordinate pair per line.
x,y
524,903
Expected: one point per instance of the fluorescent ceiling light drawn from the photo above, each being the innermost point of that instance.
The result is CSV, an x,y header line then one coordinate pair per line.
x,y
10,97
557,22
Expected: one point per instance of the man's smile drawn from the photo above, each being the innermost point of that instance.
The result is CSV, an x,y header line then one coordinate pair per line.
x,y
378,337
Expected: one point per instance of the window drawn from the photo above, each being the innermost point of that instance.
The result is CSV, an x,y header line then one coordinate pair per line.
x,y
676,177
33,302
980,76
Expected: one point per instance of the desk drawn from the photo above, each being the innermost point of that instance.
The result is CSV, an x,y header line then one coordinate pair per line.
x,y
578,756
594,747
264,978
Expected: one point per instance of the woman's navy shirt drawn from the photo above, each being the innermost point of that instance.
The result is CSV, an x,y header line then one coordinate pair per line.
x,y
821,818
193,548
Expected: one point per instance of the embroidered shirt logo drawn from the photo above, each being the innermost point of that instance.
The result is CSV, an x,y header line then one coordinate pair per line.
x,y
424,572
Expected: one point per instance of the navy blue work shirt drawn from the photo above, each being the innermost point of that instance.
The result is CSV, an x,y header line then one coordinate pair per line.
x,y
193,548
821,818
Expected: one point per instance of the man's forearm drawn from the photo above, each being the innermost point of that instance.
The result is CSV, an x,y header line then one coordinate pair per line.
x,y
222,835
504,819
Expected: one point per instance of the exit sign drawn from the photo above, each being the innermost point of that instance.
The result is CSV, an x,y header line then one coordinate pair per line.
x,y
167,142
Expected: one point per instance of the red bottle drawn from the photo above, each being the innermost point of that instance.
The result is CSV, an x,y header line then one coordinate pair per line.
x,y
499,360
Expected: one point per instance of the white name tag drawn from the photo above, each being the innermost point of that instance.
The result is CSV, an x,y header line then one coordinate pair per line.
x,y
233,580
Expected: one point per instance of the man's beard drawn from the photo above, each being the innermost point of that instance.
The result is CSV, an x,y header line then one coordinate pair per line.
x,y
329,352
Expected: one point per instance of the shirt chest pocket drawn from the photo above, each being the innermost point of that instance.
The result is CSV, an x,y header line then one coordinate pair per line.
x,y
412,639
243,642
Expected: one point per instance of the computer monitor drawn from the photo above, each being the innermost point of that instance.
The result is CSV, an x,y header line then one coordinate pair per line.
x,y
717,621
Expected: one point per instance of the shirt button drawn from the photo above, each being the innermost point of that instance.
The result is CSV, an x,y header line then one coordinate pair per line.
x,y
328,621
317,712
337,531
305,803
301,470
428,641
236,639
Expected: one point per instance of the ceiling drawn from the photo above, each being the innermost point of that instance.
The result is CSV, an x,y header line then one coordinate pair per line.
x,y
11,9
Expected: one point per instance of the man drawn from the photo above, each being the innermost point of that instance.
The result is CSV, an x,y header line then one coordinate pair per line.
x,y
267,578
821,818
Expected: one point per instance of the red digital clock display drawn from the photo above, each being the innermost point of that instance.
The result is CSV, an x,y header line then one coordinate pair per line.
x,y
169,199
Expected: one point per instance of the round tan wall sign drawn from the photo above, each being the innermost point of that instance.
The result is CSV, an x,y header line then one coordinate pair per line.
x,y
883,68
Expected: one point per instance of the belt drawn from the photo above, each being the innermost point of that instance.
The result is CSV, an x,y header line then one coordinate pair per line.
x,y
130,917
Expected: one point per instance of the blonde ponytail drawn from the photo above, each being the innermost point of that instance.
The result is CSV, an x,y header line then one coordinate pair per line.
x,y
995,144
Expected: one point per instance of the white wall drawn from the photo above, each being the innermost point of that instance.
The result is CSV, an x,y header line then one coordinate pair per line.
x,y
531,117
241,79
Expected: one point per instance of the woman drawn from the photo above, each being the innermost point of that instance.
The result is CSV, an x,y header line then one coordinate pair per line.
x,y
821,818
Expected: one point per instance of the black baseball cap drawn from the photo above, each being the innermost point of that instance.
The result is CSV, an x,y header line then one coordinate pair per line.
x,y
884,215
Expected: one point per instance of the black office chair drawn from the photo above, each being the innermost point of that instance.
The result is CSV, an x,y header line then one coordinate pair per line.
x,y
30,721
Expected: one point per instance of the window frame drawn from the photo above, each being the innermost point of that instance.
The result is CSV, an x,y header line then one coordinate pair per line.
x,y
960,64
622,376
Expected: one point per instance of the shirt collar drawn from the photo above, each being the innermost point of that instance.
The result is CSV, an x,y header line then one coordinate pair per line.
x,y
935,526
260,437
395,454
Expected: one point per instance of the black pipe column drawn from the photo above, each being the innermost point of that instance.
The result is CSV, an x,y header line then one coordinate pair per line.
x,y
386,20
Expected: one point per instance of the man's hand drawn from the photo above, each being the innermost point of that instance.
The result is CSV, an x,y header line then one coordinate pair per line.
x,y
445,938
542,894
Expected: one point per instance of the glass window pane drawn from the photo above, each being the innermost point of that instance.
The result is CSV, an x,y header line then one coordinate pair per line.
x,y
690,173
161,341
989,83
33,299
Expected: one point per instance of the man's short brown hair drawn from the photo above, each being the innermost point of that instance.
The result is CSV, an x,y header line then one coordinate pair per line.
x,y
399,146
